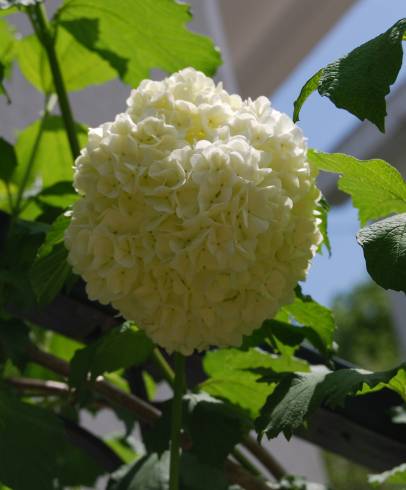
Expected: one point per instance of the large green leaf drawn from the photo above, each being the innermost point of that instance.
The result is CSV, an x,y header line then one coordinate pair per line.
x,y
315,317
34,451
152,473
135,37
80,66
377,189
359,81
122,347
52,161
231,380
215,427
395,476
384,245
298,395
31,435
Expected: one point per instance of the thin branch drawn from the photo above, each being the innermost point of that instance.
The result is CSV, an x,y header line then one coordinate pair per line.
x,y
240,457
39,386
145,412
264,457
236,474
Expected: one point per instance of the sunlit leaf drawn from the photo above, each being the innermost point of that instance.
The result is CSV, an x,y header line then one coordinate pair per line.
x,y
139,36
377,189
80,66
298,395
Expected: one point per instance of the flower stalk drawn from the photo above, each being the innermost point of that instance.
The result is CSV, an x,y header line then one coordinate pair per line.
x,y
42,29
176,425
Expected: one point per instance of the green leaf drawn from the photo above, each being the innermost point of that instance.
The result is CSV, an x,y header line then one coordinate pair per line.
x,y
152,473
157,438
308,88
80,66
15,262
54,236
7,50
360,81
215,427
50,269
395,476
298,395
315,317
286,338
2,87
7,44
139,36
52,162
149,473
197,475
14,340
122,347
24,427
36,437
59,195
384,246
377,189
49,273
8,160
231,380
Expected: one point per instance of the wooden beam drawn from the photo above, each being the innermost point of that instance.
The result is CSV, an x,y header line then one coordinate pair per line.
x,y
268,39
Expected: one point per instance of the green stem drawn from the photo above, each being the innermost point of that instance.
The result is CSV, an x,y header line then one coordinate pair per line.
x,y
48,106
179,389
39,20
9,197
165,368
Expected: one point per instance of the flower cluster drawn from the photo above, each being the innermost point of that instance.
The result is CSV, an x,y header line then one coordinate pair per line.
x,y
198,212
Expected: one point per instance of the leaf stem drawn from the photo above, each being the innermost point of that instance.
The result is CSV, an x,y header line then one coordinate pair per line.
x,y
41,26
179,389
165,368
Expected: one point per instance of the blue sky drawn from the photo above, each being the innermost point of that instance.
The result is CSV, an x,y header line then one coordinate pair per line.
x,y
325,125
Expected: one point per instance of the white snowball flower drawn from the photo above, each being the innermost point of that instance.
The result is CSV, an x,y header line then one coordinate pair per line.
x,y
198,212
